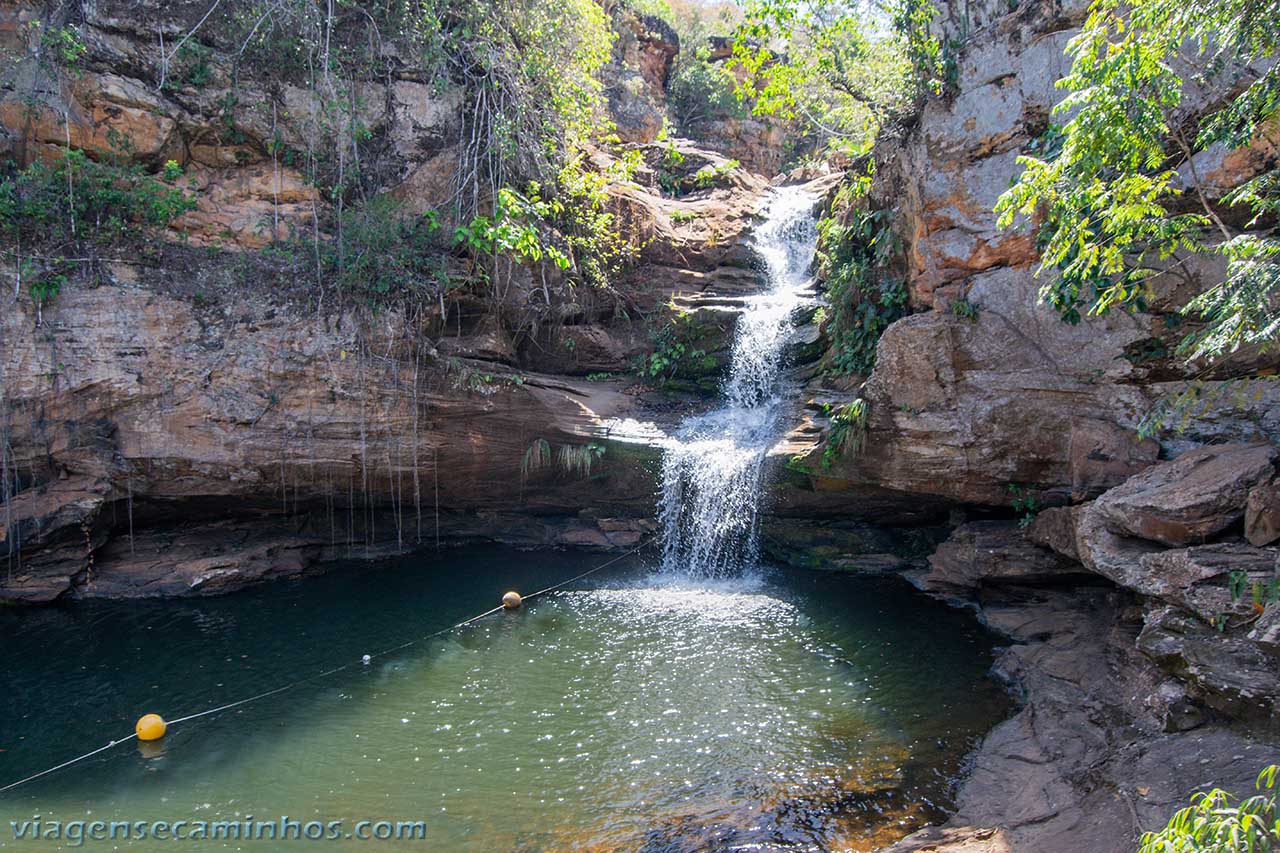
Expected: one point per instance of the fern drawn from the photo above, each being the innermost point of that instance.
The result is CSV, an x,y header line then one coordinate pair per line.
x,y
578,458
536,457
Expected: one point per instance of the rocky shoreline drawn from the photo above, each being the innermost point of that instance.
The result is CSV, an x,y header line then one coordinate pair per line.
x,y
1130,701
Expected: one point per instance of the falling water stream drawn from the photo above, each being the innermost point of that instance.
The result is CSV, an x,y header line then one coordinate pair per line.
x,y
711,472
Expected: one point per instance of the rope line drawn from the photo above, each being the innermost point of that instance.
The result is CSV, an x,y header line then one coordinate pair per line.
x,y
228,706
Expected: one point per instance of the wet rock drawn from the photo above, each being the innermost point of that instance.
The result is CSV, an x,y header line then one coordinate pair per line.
x,y
840,544
1104,746
936,839
205,560
1201,493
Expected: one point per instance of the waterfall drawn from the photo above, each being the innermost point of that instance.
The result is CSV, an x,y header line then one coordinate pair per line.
x,y
711,467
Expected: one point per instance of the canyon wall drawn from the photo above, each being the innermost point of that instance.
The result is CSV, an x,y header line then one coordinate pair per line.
x,y
189,418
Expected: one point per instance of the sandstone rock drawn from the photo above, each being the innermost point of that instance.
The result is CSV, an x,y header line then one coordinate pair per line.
x,y
759,144
1201,493
99,114
1102,454
1262,513
488,342
1055,528
955,840
1104,744
1196,579
203,560
993,552
842,544
636,76
1229,673
960,409
1266,633
239,207
236,408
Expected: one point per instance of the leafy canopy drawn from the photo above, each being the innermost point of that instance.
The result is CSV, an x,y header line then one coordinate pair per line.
x,y
837,67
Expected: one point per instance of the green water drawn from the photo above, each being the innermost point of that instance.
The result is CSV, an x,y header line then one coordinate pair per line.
x,y
804,711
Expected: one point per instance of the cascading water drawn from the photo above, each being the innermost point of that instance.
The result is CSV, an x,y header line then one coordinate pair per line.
x,y
711,468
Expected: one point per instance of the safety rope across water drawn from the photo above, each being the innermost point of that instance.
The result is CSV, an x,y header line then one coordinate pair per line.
x,y
464,623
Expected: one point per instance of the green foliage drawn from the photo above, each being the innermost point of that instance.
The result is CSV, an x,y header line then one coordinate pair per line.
x,y
702,89
380,252
512,230
1262,592
527,73
855,249
65,46
1216,822
192,67
933,69
1115,185
56,215
677,353
578,458
1024,503
571,459
536,457
672,160
582,215
962,307
714,175
848,431
1177,411
834,67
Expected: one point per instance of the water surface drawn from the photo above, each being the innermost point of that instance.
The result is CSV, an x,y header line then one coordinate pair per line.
x,y
798,711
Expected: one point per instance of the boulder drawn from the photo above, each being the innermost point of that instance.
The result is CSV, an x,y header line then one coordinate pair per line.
x,y
1197,578
1200,494
1101,454
636,76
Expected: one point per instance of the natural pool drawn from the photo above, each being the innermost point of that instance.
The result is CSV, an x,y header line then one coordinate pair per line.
x,y
798,710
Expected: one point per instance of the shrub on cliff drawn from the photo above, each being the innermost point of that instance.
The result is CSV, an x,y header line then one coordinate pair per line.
x,y
70,211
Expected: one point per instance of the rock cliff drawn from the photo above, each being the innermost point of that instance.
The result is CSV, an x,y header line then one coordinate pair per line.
x,y
187,421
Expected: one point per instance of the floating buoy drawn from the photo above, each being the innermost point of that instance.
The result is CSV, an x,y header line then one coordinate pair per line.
x,y
511,600
150,727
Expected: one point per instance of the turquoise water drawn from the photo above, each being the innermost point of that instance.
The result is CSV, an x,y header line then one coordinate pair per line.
x,y
805,711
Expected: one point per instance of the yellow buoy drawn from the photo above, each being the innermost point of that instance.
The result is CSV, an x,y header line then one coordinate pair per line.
x,y
150,727
511,600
